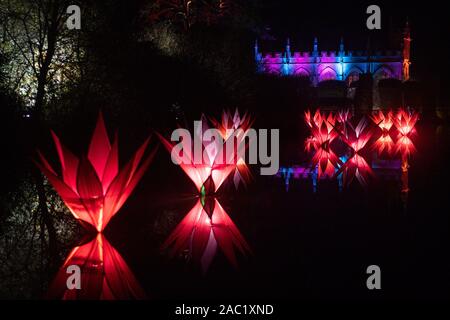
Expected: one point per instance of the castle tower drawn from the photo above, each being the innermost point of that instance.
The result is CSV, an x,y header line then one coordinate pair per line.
x,y
341,47
315,49
341,58
315,54
406,52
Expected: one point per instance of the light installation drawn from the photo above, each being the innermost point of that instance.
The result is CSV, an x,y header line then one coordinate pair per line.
x,y
323,133
330,131
356,138
207,227
93,187
239,124
384,121
405,122
203,230
104,274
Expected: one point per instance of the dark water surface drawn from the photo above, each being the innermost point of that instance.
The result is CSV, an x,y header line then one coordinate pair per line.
x,y
311,245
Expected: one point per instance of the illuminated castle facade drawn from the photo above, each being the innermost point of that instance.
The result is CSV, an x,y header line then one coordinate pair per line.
x,y
341,65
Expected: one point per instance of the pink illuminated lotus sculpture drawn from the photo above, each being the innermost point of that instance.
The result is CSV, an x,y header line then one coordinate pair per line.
x,y
384,121
322,128
323,133
207,227
239,124
211,171
405,122
93,187
356,166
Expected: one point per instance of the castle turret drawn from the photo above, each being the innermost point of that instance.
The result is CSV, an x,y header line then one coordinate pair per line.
x,y
258,58
406,51
341,47
341,59
315,48
288,50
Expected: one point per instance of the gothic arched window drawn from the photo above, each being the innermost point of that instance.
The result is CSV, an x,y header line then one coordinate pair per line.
x,y
328,74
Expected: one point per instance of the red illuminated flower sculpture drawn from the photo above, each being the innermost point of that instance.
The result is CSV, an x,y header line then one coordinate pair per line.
x,y
237,126
315,120
206,227
384,143
232,122
357,138
326,161
93,187
104,274
210,172
323,133
404,146
405,121
322,129
356,165
343,116
383,120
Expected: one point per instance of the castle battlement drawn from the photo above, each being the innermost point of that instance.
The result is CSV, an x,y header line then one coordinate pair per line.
x,y
335,65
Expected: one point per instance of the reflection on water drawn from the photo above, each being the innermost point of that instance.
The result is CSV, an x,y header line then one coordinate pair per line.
x,y
205,228
342,148
104,274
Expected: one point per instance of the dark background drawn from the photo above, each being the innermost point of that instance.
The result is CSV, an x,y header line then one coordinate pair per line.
x,y
308,246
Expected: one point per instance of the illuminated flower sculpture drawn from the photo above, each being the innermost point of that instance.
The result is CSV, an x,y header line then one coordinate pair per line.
x,y
356,165
207,226
209,172
238,126
342,117
326,161
93,187
336,133
322,128
405,121
384,121
323,133
104,274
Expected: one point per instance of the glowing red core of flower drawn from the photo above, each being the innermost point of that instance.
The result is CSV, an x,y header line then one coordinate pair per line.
x,y
93,187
